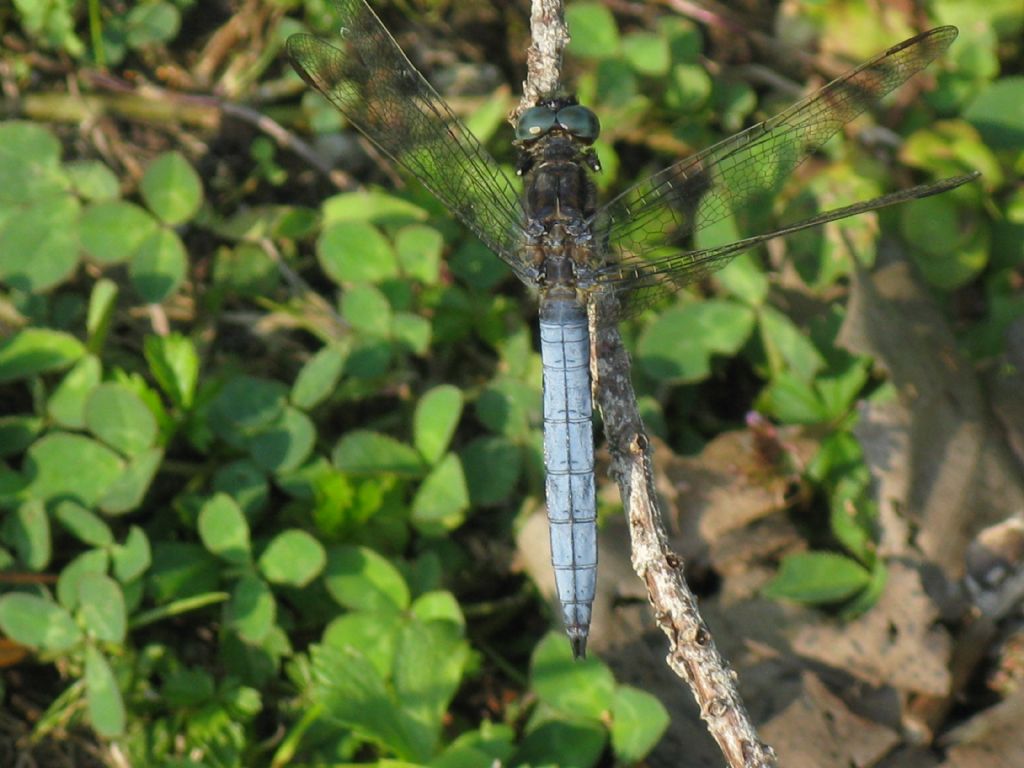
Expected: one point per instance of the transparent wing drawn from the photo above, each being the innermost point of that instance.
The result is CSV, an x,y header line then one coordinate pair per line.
x,y
648,228
660,276
372,82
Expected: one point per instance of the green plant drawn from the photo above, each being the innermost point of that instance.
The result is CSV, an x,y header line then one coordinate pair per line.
x,y
262,461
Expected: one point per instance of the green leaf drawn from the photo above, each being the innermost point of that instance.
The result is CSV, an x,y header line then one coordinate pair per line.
x,y
47,462
419,253
376,206
90,561
154,22
678,345
83,524
951,249
132,558
181,570
127,492
582,688
120,419
28,531
258,222
375,635
245,483
429,662
435,419
12,487
245,404
251,610
360,579
92,180
105,705
562,743
102,306
318,377
411,332
355,252
367,453
867,598
593,31
638,722
37,623
174,363
30,166
438,606
476,265
442,499
839,391
851,526
224,530
491,745
818,577
18,432
647,53
492,466
159,265
744,278
367,309
33,351
507,406
285,444
101,604
689,88
353,693
39,246
997,111
246,270
293,558
112,231
171,188
187,687
792,401
787,346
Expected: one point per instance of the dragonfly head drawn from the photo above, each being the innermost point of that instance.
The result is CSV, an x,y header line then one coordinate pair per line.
x,y
558,115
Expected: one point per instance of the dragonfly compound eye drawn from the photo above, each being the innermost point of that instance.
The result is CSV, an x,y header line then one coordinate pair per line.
x,y
534,123
579,121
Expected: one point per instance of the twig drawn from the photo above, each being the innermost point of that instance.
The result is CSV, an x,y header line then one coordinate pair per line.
x,y
153,103
692,652
549,35
693,655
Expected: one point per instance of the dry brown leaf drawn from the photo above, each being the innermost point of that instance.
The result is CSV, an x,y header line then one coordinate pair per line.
x,y
739,477
817,729
910,757
992,739
962,476
1005,383
897,643
883,431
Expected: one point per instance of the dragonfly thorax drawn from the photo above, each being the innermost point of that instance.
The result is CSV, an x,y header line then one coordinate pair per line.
x,y
559,199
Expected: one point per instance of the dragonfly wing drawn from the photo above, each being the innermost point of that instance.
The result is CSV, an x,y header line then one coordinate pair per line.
x,y
648,228
372,82
652,280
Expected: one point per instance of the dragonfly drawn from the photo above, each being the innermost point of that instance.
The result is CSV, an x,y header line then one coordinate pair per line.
x,y
557,238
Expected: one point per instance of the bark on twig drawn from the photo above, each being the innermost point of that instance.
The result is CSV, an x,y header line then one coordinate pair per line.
x,y
692,652
549,35
692,655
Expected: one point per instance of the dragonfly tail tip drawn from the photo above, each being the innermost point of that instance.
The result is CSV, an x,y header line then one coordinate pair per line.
x,y
579,645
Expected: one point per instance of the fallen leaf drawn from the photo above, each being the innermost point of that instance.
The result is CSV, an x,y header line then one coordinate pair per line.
x,y
817,729
961,473
898,643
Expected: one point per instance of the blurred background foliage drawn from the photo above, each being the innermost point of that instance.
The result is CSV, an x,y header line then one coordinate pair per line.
x,y
268,429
